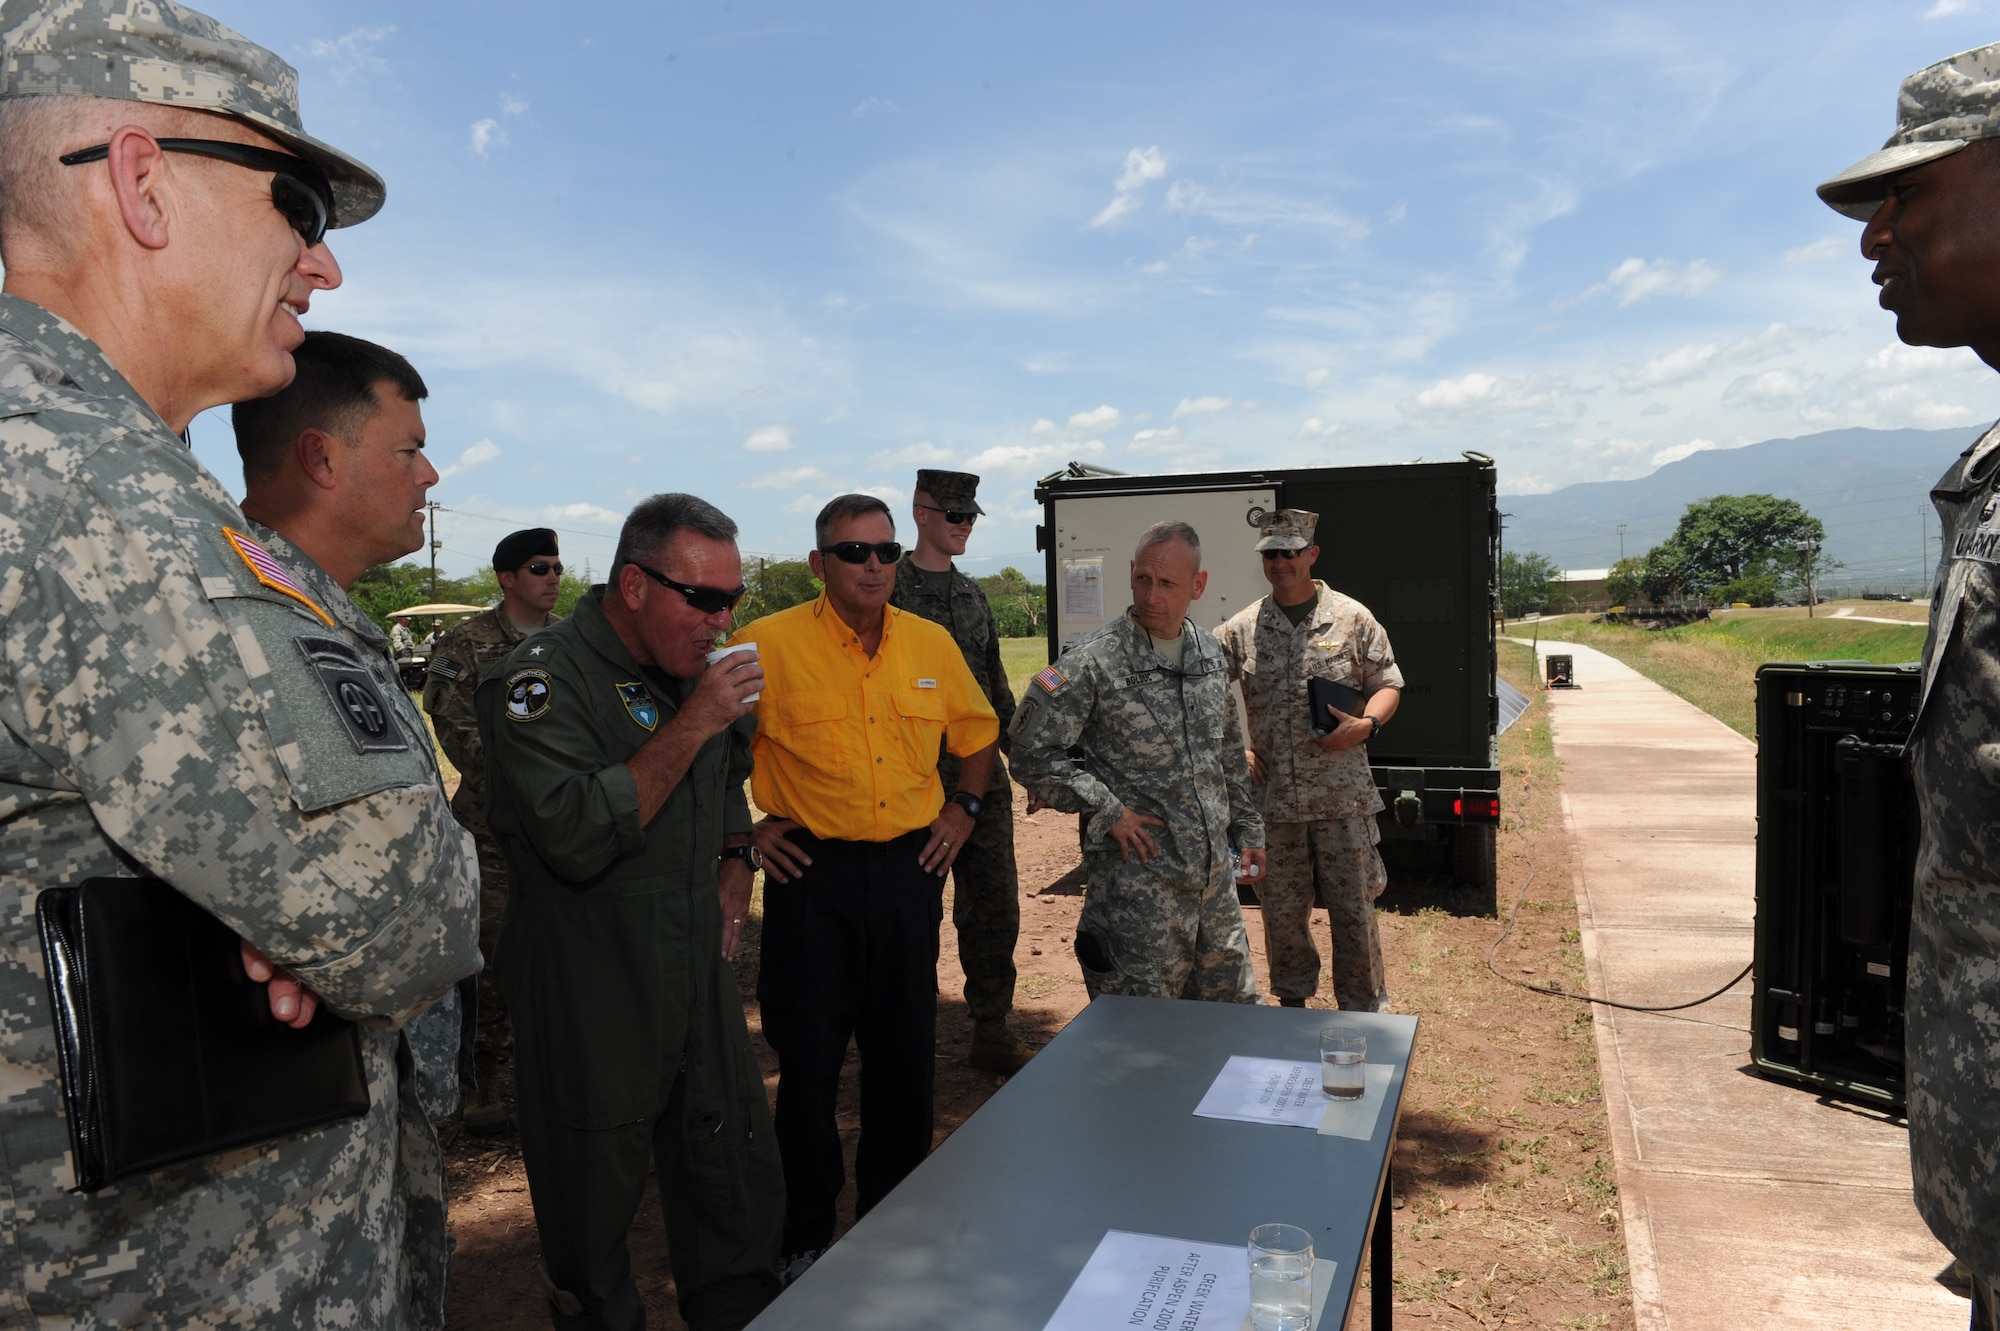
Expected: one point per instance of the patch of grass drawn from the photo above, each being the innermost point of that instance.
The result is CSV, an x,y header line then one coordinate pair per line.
x,y
1021,658
1714,665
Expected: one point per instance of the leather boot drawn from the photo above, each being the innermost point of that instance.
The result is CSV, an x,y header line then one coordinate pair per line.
x,y
997,1049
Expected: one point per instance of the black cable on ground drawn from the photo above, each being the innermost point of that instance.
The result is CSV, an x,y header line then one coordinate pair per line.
x,y
1552,991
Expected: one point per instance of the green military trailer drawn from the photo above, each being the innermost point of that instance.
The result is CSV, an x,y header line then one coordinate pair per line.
x,y
1418,544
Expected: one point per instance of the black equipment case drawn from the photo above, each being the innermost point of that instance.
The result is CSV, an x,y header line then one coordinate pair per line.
x,y
1836,854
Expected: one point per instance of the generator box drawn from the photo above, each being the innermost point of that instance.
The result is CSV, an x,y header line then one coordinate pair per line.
x,y
1836,855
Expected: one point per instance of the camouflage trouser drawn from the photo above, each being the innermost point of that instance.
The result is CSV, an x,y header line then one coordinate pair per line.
x,y
986,910
485,1030
1155,935
1336,864
1985,1304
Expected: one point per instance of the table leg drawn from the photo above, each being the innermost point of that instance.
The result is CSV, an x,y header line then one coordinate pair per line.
x,y
1382,1259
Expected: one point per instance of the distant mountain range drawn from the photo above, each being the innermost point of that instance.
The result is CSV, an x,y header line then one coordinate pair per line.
x,y
1870,487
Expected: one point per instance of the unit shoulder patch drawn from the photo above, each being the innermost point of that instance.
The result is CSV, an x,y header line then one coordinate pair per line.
x,y
638,701
530,693
270,573
1052,680
354,694
445,668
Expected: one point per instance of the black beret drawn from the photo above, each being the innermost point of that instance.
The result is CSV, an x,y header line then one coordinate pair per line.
x,y
517,548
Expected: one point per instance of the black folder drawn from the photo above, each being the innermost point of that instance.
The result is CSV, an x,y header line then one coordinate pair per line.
x,y
1321,692
169,1052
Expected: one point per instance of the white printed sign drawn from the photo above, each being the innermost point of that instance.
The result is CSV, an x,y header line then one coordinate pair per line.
x,y
1265,1090
1150,1283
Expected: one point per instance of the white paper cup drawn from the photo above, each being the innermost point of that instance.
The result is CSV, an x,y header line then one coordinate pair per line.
x,y
731,650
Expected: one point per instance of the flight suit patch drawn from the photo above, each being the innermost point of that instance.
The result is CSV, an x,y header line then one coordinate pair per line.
x,y
353,690
528,695
636,699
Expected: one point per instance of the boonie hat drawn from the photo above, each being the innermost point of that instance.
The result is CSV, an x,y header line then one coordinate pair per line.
x,y
160,52
953,490
1939,109
517,548
1288,529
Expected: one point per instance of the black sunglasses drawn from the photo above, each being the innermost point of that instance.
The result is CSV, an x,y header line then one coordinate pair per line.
x,y
1282,554
708,600
857,552
953,515
299,190
541,568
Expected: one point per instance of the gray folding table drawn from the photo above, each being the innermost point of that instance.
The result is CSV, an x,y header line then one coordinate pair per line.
x,y
1099,1133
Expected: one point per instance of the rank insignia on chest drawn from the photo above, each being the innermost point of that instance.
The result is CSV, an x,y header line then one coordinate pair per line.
x,y
640,704
1052,679
528,695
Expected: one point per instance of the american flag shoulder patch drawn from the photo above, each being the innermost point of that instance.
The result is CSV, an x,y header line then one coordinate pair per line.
x,y
1052,680
270,573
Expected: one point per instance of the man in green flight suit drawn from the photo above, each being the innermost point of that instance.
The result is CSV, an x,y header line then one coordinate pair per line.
x,y
985,886
616,760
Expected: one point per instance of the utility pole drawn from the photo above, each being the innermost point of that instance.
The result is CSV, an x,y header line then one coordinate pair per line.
x,y
435,508
1621,542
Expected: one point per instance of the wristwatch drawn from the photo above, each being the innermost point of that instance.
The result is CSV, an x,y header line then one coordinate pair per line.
x,y
1373,721
969,802
747,853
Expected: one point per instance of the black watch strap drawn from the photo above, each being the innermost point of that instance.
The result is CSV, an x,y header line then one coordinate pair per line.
x,y
747,853
969,802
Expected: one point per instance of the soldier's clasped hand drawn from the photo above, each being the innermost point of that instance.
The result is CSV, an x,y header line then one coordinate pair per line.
x,y
1348,732
1132,838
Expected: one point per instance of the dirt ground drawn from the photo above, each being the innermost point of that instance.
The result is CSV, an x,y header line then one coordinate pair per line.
x,y
1507,1213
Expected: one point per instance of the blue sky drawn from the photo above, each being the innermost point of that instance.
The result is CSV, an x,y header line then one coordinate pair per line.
x,y
770,252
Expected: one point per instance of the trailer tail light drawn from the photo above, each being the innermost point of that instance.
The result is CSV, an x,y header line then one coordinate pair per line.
x,y
1485,807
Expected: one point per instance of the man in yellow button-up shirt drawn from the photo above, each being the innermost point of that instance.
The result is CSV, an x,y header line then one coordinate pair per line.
x,y
858,696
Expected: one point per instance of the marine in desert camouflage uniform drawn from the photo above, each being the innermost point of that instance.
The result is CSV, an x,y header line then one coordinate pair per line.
x,y
1319,796
985,885
1930,199
166,691
466,653
1163,780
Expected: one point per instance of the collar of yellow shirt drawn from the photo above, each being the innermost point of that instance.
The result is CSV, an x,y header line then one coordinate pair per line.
x,y
847,744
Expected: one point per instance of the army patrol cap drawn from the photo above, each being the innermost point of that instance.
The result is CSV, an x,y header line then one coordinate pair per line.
x,y
954,491
157,51
517,548
1288,529
1939,110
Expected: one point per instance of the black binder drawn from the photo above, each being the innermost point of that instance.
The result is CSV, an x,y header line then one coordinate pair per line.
x,y
169,1052
1320,692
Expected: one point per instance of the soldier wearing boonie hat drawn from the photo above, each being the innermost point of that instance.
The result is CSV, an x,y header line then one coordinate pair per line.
x,y
1316,789
985,882
179,719
1930,199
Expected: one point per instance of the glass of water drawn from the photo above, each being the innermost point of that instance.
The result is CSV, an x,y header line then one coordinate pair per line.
x,y
1343,1062
1281,1278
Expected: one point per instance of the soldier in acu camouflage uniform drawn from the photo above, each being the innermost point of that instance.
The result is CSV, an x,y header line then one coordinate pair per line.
x,y
985,886
167,687
1319,794
1163,780
530,573
1930,199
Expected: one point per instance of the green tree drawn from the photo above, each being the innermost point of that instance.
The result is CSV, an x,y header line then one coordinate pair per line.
x,y
1020,607
1524,582
1748,547
1627,581
387,588
775,584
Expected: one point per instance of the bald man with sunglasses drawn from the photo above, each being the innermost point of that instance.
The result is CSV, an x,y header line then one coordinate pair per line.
x,y
858,698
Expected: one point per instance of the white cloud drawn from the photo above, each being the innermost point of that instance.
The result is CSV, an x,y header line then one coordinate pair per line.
x,y
1640,279
1044,427
1771,389
1679,451
1317,379
1656,409
1031,459
1315,428
1094,420
510,105
916,455
478,454
1155,268
1826,247
875,106
1141,165
1482,392
483,134
595,514
770,439
1949,9
1677,366
352,54
1163,440
1200,406
787,478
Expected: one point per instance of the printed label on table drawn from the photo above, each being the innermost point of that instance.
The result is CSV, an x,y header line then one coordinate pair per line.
x,y
1265,1090
1158,1284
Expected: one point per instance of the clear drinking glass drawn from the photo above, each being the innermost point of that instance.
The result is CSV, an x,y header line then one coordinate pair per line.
x,y
1343,1062
1281,1278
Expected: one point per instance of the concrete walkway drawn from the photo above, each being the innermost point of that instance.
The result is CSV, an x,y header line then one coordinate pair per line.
x,y
1747,1203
